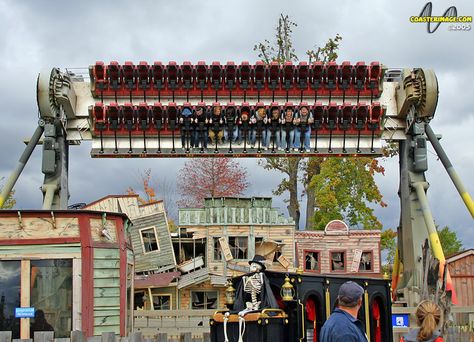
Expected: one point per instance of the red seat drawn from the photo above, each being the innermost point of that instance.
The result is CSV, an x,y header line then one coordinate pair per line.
x,y
157,115
319,115
347,116
361,116
99,75
172,74
345,71
129,76
375,75
316,75
114,75
113,116
143,116
230,75
332,116
360,74
98,114
216,75
129,119
187,74
245,75
273,75
201,71
302,75
144,75
376,112
330,75
158,74
288,75
172,115
259,72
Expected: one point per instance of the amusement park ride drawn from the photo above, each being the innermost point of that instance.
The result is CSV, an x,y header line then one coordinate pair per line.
x,y
151,111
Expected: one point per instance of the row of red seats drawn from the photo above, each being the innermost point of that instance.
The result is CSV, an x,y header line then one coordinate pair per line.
x,y
121,80
113,118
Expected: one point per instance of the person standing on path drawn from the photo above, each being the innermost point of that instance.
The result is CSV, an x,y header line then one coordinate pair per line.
x,y
343,325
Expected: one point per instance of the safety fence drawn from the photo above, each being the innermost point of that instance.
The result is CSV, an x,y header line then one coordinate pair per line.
x,y
78,336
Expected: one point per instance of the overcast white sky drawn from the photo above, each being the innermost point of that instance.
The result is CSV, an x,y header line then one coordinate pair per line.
x,y
39,35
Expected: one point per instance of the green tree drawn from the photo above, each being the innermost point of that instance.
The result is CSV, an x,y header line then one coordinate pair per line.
x,y
449,241
351,201
10,202
388,243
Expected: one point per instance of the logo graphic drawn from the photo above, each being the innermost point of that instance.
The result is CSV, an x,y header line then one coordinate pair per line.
x,y
449,16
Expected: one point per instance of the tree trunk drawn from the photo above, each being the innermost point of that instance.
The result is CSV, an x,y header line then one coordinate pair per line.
x,y
294,207
310,202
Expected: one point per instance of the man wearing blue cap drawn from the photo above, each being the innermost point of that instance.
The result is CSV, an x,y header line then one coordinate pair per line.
x,y
343,324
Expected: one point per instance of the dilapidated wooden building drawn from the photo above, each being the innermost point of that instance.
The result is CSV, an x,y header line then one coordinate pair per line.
x,y
217,241
155,263
339,250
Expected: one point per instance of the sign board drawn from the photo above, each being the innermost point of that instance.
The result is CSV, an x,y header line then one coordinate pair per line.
x,y
356,260
239,268
24,312
336,227
400,320
225,249
284,261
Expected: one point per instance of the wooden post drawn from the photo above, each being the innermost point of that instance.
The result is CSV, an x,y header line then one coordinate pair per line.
x,y
186,337
206,337
108,337
43,336
25,298
5,336
77,336
162,337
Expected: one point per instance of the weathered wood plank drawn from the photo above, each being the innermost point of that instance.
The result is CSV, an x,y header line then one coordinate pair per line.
x,y
106,292
43,336
107,320
162,337
107,337
106,263
38,227
78,336
106,273
6,336
96,230
106,253
106,302
107,282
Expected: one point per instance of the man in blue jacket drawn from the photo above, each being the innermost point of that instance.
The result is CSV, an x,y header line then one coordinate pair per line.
x,y
343,325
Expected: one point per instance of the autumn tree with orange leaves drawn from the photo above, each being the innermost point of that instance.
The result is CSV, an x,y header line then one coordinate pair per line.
x,y
210,177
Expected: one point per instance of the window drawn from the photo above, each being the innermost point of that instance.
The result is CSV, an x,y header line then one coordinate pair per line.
x,y
217,249
51,296
204,300
239,247
10,284
311,261
149,240
338,262
162,302
278,251
365,262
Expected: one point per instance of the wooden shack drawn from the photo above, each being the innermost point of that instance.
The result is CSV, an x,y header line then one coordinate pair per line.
x,y
75,268
461,268
155,263
339,250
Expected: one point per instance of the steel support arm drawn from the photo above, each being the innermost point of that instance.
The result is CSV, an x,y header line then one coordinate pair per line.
x,y
466,197
21,164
